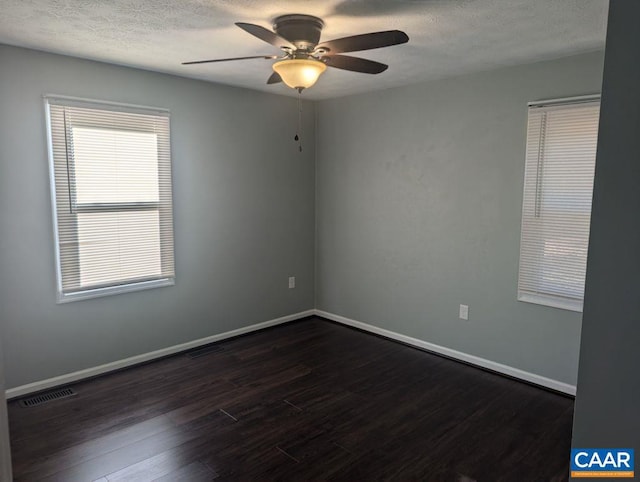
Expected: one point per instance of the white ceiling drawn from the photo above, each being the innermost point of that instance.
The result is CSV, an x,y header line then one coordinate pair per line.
x,y
447,37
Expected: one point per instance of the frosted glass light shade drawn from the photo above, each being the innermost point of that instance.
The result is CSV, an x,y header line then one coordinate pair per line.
x,y
299,73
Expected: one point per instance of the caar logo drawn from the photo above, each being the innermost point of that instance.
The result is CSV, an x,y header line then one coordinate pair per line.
x,y
615,463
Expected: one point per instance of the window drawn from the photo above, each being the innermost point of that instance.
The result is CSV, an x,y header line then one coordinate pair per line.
x,y
556,208
111,187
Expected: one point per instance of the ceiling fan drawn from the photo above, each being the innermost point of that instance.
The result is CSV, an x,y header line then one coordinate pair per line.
x,y
304,59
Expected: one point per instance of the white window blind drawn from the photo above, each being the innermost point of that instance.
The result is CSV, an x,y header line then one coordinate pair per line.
x,y
556,209
111,186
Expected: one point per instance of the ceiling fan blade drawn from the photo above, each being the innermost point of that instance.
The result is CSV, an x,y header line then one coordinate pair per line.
x,y
266,35
274,78
354,64
231,59
366,41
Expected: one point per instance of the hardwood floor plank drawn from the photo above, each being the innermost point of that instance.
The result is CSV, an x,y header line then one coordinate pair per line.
x,y
68,457
165,463
121,458
309,400
194,472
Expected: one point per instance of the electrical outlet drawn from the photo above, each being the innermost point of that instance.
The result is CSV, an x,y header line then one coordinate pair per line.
x,y
464,312
292,282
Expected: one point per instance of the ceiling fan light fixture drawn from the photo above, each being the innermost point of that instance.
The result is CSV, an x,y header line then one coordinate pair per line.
x,y
299,73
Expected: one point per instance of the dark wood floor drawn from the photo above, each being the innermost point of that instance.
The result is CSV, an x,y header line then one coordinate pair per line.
x,y
303,401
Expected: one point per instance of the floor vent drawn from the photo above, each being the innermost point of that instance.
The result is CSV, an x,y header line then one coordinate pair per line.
x,y
47,397
204,351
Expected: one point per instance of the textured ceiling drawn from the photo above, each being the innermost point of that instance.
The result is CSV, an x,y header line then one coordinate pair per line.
x,y
447,37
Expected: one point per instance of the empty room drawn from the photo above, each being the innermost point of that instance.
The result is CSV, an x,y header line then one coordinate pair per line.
x,y
342,240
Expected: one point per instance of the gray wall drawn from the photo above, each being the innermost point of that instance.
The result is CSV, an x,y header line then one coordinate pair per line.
x,y
419,193
243,216
608,398
418,210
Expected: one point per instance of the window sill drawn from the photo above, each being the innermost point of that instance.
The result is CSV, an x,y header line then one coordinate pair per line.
x,y
563,304
113,290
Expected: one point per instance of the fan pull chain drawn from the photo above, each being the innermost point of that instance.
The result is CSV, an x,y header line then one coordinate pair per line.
x,y
298,137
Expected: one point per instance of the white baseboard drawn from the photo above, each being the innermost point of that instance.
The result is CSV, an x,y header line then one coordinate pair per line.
x,y
458,355
134,360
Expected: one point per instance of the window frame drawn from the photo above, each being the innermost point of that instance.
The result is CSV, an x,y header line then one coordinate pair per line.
x,y
112,288
524,295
